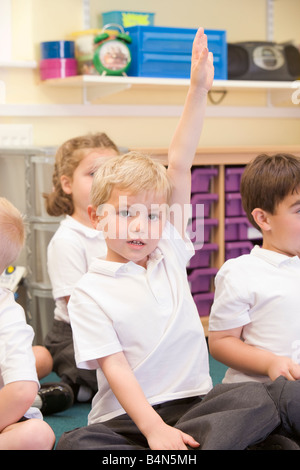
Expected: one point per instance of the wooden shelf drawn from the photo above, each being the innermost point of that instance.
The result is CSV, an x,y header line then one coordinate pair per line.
x,y
224,155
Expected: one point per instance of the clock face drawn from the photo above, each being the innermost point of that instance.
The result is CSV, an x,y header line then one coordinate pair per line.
x,y
114,55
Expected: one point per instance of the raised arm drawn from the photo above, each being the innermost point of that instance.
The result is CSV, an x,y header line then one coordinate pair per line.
x,y
186,137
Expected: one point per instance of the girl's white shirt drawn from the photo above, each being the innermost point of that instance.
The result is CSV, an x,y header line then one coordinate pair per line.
x,y
69,255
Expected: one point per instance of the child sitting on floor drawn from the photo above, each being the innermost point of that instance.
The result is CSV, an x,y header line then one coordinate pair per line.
x,y
21,426
254,322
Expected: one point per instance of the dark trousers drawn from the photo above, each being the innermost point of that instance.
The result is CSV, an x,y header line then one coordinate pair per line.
x,y
59,342
229,417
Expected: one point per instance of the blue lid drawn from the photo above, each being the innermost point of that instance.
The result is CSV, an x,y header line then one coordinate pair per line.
x,y
58,50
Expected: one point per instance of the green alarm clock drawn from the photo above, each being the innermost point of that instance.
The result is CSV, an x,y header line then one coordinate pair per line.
x,y
112,55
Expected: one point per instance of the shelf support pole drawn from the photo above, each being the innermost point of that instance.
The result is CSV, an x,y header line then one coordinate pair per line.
x,y
270,20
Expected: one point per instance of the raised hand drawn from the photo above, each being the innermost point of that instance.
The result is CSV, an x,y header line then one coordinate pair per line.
x,y
202,68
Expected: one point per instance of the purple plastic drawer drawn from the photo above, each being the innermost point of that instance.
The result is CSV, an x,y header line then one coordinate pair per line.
x,y
235,249
202,257
236,228
203,303
233,205
207,199
200,279
200,230
201,179
233,178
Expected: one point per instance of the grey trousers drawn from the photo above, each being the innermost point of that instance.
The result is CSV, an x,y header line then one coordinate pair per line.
x,y
229,417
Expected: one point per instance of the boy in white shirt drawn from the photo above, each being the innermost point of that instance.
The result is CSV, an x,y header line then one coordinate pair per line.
x,y
133,316
21,427
254,321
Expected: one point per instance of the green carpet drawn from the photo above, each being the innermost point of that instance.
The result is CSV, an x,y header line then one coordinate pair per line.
x,y
76,416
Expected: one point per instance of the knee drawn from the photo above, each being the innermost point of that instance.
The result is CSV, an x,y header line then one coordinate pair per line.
x,y
43,360
38,435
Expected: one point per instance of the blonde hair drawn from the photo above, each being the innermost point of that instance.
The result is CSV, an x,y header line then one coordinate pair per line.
x,y
12,233
67,159
132,172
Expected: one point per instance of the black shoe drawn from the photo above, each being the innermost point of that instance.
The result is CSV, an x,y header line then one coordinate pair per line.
x,y
56,397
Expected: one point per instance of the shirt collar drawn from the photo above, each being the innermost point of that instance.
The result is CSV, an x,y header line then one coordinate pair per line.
x,y
272,257
112,268
89,232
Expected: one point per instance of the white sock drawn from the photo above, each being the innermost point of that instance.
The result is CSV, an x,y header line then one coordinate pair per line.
x,y
84,393
37,402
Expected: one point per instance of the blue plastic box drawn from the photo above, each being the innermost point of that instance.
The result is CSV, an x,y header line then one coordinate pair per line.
x,y
128,18
166,52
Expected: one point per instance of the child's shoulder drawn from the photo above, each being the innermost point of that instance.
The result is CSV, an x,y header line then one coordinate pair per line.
x,y
6,296
9,308
240,263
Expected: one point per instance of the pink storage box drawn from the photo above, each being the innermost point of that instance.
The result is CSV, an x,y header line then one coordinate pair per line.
x,y
57,68
201,179
235,249
200,230
236,228
207,199
200,279
233,178
233,205
202,257
203,303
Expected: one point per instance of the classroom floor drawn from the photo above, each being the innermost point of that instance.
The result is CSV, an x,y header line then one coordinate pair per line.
x,y
76,416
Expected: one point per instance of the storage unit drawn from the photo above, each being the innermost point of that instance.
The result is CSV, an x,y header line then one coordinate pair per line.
x,y
203,256
237,248
41,228
233,177
236,228
233,205
200,279
202,179
37,166
201,228
203,302
204,199
201,231
166,52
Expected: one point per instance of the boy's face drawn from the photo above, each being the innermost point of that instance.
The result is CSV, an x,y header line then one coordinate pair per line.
x,y
283,235
132,224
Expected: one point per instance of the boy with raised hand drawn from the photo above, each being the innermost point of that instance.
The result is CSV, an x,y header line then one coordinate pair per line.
x,y
133,316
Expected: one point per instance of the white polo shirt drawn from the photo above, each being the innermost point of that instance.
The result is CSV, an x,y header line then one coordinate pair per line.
x,y
261,293
69,254
150,315
17,361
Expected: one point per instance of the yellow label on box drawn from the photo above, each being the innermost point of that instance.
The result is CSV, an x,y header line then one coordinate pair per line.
x,y
133,19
